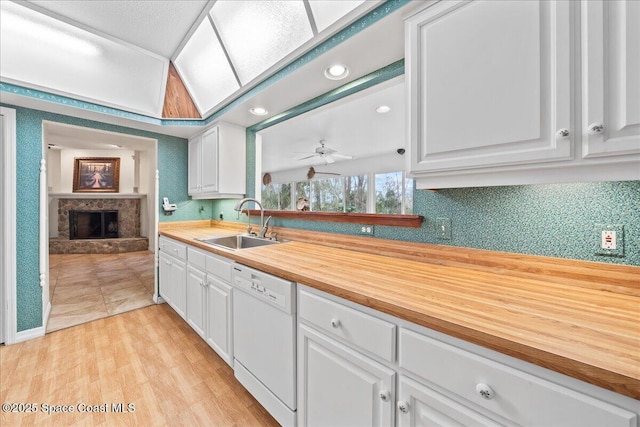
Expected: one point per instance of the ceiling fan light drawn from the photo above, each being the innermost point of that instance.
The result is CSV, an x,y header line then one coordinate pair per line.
x,y
336,72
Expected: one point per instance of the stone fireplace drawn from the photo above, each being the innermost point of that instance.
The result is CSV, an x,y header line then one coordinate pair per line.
x,y
96,237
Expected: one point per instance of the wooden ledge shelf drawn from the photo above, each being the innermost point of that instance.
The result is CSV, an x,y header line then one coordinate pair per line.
x,y
412,221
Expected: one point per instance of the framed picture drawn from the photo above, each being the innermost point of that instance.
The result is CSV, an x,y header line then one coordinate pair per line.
x,y
96,175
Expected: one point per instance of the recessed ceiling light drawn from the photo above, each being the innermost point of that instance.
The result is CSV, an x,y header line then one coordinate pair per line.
x,y
258,111
383,109
336,72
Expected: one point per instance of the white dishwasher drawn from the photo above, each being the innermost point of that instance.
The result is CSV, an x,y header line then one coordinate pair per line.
x,y
264,339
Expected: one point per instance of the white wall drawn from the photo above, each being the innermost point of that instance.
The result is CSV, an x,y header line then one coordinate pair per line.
x,y
61,162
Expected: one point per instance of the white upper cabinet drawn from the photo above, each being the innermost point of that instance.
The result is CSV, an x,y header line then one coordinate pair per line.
x,y
217,163
489,83
610,78
493,92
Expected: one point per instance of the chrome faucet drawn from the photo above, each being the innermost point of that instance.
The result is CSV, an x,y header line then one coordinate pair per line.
x,y
238,208
265,227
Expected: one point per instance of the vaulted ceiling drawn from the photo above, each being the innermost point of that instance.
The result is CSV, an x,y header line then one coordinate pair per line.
x,y
119,53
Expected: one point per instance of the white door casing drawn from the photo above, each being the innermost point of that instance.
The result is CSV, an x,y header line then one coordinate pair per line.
x,y
8,323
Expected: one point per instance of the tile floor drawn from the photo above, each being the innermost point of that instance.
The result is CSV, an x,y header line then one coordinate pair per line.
x,y
86,287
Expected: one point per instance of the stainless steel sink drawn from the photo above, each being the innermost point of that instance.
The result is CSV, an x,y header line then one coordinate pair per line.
x,y
241,241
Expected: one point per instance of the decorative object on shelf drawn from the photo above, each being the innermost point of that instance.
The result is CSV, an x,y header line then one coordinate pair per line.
x,y
168,207
96,175
302,204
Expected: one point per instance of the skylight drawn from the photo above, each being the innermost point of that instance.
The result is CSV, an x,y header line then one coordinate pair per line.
x,y
259,34
205,70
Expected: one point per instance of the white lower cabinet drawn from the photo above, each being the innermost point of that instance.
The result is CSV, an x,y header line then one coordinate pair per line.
x,y
511,395
197,285
173,274
196,302
419,405
209,298
347,377
341,387
219,335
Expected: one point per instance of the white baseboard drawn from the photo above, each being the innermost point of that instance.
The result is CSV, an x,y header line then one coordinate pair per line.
x,y
30,334
45,318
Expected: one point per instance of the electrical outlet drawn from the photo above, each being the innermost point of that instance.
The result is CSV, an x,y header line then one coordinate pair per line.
x,y
366,230
610,239
443,228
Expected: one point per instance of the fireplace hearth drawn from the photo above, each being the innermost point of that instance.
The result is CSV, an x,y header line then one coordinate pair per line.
x,y
101,224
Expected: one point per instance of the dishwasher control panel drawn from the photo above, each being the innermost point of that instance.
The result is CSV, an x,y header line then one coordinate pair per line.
x,y
266,287
269,294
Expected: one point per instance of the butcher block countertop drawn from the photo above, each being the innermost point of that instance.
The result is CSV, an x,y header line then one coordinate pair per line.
x,y
578,318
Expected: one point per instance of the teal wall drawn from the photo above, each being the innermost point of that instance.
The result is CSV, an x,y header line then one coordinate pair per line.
x,y
172,164
555,220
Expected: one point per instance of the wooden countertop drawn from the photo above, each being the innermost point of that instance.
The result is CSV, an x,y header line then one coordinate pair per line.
x,y
578,318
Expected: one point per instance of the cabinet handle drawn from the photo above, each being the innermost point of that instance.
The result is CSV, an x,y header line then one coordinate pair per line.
x,y
485,391
335,323
384,395
596,128
563,133
403,406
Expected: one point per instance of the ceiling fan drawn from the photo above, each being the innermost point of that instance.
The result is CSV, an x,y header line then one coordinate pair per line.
x,y
327,154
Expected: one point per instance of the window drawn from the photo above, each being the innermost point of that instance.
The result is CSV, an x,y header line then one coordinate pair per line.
x,y
355,193
392,194
276,197
327,195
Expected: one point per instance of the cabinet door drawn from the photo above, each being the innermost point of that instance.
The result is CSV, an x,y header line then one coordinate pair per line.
x,y
219,322
488,84
195,165
418,405
178,278
209,161
166,290
610,77
340,387
196,300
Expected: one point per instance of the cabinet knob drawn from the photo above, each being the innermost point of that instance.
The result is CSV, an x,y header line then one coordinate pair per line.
x,y
596,128
563,133
403,406
335,323
384,395
485,391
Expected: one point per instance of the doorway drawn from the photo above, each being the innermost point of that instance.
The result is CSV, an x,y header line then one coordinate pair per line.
x,y
100,276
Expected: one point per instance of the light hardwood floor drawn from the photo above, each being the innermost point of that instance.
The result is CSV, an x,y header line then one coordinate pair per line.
x,y
86,287
147,357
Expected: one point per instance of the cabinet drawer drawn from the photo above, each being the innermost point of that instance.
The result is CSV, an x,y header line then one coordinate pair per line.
x,y
173,248
219,267
357,328
518,396
196,258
